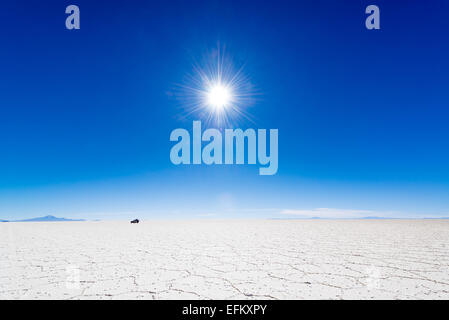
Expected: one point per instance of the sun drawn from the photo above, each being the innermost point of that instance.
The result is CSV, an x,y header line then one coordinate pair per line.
x,y
217,91
219,97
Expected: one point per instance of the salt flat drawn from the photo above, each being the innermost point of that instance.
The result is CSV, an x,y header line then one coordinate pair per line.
x,y
229,259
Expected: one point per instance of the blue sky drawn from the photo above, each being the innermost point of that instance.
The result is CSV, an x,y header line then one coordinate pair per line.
x,y
86,115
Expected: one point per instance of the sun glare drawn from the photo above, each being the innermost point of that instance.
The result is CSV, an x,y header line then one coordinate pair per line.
x,y
217,91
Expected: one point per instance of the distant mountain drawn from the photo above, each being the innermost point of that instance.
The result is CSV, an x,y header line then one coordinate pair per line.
x,y
48,219
3,220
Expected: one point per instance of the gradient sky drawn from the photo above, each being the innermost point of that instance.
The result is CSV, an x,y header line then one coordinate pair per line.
x,y
86,115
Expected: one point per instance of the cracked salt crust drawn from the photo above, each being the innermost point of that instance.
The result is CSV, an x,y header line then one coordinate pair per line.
x,y
233,259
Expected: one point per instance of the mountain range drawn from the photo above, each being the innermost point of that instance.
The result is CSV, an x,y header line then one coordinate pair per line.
x,y
43,219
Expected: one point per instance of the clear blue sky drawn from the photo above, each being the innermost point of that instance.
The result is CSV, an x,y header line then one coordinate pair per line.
x,y
85,115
